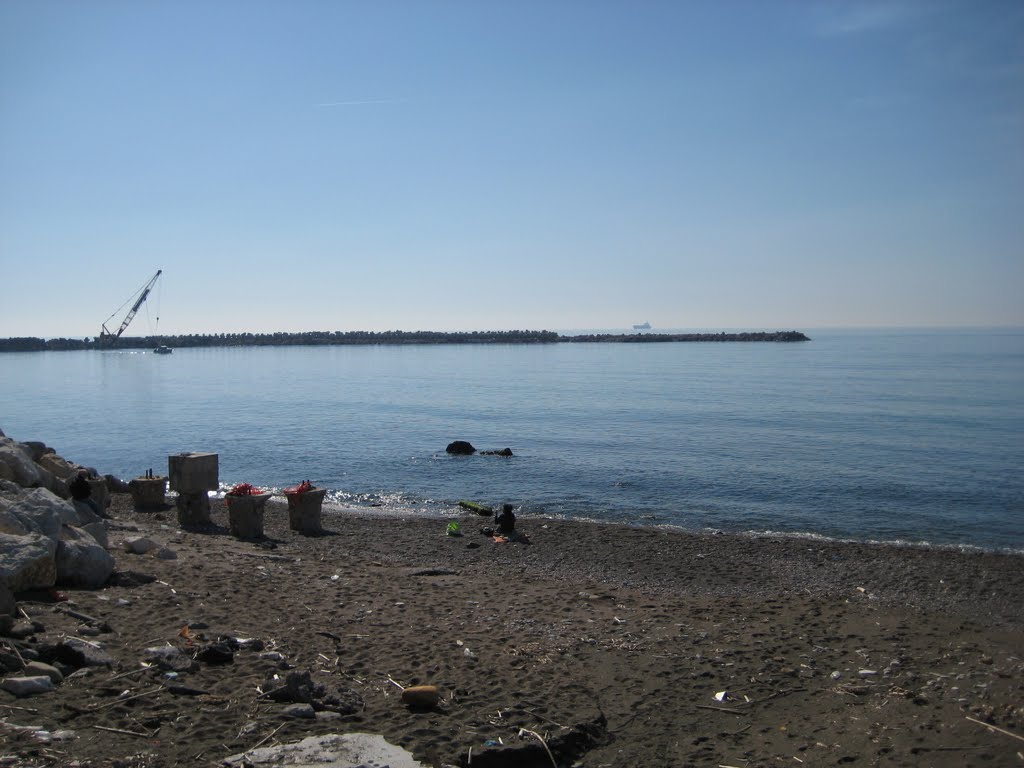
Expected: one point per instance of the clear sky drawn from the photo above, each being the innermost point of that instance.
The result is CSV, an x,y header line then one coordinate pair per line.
x,y
432,165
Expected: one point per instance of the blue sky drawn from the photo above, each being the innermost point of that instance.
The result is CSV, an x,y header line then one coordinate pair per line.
x,y
315,165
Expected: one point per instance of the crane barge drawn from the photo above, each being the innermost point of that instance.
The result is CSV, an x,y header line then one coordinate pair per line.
x,y
107,337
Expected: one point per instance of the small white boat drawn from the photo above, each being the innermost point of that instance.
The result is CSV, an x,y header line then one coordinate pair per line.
x,y
163,349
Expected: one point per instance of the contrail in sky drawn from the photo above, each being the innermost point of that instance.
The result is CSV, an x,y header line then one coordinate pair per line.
x,y
361,101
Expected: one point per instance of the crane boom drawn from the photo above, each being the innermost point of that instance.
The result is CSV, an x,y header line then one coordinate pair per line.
x,y
105,334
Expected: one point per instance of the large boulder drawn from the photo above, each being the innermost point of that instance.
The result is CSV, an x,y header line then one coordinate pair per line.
x,y
27,562
36,449
52,483
57,466
81,560
86,514
460,448
36,510
99,532
16,463
44,537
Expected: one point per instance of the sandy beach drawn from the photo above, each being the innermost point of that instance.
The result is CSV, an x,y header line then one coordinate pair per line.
x,y
578,644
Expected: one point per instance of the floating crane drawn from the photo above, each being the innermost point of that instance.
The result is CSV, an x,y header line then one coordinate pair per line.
x,y
106,335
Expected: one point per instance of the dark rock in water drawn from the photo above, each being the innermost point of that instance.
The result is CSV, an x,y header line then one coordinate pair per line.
x,y
460,448
502,452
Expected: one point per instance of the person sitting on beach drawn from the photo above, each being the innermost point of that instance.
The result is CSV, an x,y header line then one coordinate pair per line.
x,y
81,492
505,520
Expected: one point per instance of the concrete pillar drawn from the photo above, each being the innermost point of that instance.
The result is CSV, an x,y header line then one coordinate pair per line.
x,y
192,476
304,511
148,492
193,509
245,515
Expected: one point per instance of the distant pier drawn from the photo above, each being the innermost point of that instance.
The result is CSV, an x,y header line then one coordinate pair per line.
x,y
340,338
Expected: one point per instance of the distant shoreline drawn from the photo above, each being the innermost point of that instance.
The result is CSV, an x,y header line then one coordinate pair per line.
x,y
391,338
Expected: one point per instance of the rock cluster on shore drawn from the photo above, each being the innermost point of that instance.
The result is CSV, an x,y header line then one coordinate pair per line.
x,y
46,539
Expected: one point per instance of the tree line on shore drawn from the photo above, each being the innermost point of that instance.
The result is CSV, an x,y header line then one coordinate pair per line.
x,y
332,338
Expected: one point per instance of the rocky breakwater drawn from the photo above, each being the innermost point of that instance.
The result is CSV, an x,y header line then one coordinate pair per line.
x,y
47,540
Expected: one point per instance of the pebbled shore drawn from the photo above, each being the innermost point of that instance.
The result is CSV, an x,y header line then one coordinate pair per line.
x,y
828,653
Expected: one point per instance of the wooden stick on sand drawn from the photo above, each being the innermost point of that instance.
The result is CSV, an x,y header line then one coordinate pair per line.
x,y
997,730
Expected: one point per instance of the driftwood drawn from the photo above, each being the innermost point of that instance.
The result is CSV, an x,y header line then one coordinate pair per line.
x,y
1003,731
266,738
120,700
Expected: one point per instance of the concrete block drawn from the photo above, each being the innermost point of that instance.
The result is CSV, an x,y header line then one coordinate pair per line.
x,y
148,492
193,509
304,511
245,515
193,472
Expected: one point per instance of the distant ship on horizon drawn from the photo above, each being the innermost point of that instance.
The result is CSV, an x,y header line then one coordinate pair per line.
x,y
642,327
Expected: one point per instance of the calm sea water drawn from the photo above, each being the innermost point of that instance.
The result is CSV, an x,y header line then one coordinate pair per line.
x,y
901,435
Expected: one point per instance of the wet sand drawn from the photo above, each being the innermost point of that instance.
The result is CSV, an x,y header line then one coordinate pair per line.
x,y
606,642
